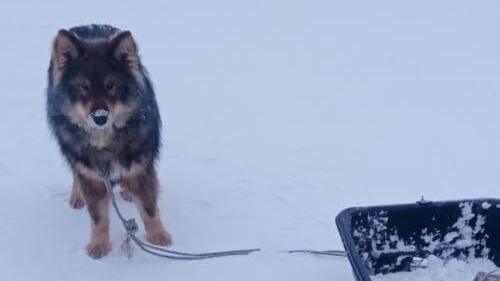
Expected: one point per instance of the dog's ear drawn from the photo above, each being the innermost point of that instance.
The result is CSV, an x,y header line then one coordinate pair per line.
x,y
124,49
66,48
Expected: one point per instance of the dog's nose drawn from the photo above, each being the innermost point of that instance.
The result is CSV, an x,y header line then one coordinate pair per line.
x,y
100,116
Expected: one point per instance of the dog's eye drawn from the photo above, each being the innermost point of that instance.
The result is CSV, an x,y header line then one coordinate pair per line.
x,y
84,87
110,86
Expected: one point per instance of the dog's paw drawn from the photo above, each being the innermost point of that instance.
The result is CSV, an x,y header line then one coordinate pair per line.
x,y
126,196
76,201
160,237
98,250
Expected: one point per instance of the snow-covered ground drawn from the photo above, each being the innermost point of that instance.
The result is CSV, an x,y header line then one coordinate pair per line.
x,y
277,115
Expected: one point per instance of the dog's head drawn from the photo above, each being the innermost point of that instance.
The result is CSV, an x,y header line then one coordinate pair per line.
x,y
100,81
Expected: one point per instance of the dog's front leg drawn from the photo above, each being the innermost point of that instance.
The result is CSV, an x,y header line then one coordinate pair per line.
x,y
143,186
76,200
96,198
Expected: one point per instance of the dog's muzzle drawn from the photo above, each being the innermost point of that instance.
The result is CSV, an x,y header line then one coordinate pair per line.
x,y
100,116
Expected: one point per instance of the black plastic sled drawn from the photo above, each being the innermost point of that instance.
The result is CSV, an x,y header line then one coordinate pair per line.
x,y
388,239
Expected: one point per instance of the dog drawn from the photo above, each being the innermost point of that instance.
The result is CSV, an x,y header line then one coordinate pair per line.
x,y
101,108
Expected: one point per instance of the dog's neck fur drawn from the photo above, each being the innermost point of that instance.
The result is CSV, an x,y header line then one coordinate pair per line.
x,y
100,138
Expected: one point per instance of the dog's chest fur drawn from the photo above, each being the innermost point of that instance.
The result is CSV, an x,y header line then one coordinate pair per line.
x,y
101,138
105,149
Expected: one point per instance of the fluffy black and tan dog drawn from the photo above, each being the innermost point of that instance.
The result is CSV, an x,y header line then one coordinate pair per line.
x,y
102,109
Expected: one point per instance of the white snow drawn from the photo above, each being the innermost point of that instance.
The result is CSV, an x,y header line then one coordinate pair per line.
x,y
486,205
277,115
464,235
440,270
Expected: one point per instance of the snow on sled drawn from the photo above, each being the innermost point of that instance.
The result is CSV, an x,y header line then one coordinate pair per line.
x,y
431,240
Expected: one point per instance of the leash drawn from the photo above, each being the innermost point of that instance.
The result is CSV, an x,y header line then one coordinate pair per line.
x,y
131,228
334,253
